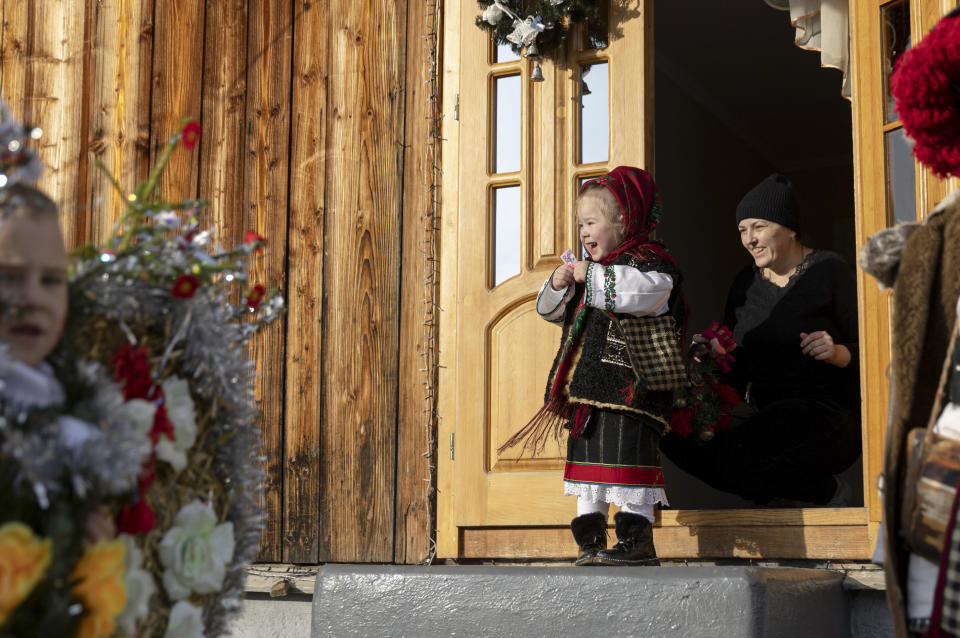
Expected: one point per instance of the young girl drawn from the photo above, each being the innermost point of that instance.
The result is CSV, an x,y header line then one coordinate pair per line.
x,y
594,389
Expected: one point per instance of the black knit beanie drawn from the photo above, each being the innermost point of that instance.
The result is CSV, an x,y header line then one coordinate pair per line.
x,y
772,199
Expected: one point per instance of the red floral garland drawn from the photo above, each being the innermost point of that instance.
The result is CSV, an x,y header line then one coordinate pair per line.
x,y
704,406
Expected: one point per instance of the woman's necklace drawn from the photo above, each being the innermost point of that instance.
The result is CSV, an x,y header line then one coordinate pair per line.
x,y
767,273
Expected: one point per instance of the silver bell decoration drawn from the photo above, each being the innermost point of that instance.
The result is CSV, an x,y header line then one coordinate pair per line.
x,y
537,74
532,53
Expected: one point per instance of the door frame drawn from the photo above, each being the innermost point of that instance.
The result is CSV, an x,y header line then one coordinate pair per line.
x,y
813,533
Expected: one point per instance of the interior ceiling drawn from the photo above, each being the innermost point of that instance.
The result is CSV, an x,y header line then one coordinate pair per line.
x,y
739,61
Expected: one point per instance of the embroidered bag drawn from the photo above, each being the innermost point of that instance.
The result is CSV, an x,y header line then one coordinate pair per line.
x,y
654,345
933,471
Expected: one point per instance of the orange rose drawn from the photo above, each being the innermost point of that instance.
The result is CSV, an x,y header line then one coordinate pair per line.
x,y
101,587
23,561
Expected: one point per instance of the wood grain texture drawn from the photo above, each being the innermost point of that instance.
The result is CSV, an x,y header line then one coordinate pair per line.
x,y
222,156
43,84
364,194
301,472
835,542
118,57
266,180
414,504
177,89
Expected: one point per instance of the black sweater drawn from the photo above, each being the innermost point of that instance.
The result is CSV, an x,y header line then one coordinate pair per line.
x,y
767,321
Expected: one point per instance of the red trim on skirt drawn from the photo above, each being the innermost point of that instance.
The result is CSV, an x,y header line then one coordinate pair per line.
x,y
614,475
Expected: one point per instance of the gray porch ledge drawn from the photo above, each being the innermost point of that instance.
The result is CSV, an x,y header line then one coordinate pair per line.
x,y
385,600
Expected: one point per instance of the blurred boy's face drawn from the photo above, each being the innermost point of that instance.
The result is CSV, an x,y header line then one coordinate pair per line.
x,y
33,286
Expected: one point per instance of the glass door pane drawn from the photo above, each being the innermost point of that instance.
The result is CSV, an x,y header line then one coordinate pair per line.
x,y
594,113
901,177
507,123
895,19
507,233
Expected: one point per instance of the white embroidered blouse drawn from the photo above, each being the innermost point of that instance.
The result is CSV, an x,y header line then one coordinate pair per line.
x,y
633,292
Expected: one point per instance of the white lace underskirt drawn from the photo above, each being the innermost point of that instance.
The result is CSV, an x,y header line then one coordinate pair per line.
x,y
616,494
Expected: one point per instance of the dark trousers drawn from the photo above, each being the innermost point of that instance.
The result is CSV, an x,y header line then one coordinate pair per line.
x,y
790,448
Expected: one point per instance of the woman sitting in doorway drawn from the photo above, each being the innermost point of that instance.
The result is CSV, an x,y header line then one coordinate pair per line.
x,y
793,314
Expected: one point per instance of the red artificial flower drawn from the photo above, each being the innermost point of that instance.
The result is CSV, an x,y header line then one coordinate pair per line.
x,y
682,421
190,134
132,367
727,395
251,237
185,286
161,424
256,296
136,519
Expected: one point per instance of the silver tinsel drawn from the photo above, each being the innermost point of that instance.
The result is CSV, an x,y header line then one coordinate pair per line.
x,y
18,162
107,464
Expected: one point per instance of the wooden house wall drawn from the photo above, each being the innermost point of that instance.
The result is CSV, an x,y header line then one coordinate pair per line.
x,y
315,120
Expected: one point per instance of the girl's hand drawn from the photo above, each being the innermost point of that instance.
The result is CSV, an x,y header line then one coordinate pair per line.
x,y
562,277
821,347
580,271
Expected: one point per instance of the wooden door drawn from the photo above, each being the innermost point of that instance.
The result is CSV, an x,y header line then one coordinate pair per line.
x,y
515,151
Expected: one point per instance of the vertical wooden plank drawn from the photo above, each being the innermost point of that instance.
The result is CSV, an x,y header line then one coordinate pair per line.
x,y
304,389
119,53
224,90
43,84
871,215
448,542
267,165
414,520
177,89
361,270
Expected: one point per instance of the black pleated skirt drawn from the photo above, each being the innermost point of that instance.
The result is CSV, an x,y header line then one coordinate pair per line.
x,y
617,458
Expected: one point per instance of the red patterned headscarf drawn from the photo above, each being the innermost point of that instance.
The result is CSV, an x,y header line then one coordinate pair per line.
x,y
639,202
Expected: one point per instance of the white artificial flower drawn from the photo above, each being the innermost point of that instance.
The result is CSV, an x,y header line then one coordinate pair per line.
x,y
195,552
141,412
492,14
525,33
182,416
202,238
140,588
167,219
186,621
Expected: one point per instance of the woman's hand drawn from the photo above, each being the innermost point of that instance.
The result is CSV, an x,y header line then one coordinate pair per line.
x,y
821,347
700,347
562,277
580,271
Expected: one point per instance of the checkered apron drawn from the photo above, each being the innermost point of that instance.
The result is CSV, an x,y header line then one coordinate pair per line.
x,y
654,344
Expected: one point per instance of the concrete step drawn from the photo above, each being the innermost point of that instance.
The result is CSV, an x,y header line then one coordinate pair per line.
x,y
503,601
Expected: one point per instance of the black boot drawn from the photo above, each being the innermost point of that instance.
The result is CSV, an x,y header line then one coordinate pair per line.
x,y
590,532
634,542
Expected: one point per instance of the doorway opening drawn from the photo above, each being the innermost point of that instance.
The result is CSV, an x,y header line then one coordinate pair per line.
x,y
736,100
